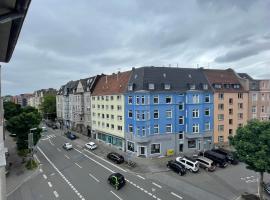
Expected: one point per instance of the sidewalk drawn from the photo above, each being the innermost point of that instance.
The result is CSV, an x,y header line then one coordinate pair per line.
x,y
143,165
18,174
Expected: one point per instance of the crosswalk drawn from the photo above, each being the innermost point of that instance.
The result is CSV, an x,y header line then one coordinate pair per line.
x,y
47,137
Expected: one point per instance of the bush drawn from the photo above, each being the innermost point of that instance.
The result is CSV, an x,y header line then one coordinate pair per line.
x,y
31,164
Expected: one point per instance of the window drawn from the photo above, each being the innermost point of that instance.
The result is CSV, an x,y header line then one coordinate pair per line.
x,y
107,98
137,100
119,117
156,129
107,125
143,116
230,121
155,114
143,131
195,98
254,97
207,126
130,115
230,132
130,128
151,86
107,116
236,86
181,106
130,87
143,102
112,116
240,125
130,146
207,112
137,115
254,109
195,128
130,100
217,86
119,97
192,87
205,86
230,101
168,99
167,86
119,107
103,116
195,113
221,106
230,111
220,128
119,128
240,95
220,96
207,98
181,135
240,115
112,126
111,98
262,96
156,100
168,113
192,144
168,128
220,139
240,106
262,109
181,120
155,148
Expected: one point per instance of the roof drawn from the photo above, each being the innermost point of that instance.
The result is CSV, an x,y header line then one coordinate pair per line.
x,y
226,78
179,79
12,15
254,85
112,84
245,76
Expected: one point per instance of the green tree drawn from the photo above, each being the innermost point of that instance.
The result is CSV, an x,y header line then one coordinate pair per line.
x,y
252,144
48,107
11,109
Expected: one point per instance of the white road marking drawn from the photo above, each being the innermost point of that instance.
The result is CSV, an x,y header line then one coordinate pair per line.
x,y
94,177
67,156
37,158
176,195
155,184
141,177
105,160
116,195
50,184
44,176
78,146
78,165
96,161
58,149
58,171
41,170
55,194
51,142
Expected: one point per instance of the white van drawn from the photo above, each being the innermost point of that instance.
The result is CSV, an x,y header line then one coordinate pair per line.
x,y
189,163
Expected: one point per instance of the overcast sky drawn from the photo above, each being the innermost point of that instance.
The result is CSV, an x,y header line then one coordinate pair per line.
x,y
64,40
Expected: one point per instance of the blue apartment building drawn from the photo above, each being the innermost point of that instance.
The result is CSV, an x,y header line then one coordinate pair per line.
x,y
167,111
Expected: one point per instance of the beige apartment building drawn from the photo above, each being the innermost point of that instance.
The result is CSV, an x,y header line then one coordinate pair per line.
x,y
230,103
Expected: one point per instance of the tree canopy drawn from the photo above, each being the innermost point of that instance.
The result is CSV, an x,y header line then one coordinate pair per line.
x,y
48,106
11,110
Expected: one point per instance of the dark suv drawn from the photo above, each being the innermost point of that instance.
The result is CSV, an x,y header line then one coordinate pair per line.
x,y
70,135
177,167
115,157
219,159
230,158
117,180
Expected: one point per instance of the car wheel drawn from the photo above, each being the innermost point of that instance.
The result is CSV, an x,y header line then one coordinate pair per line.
x,y
190,170
180,173
168,166
206,169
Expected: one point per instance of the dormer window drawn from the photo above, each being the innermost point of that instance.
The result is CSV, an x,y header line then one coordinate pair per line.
x,y
205,86
151,86
167,86
130,87
236,86
192,86
217,86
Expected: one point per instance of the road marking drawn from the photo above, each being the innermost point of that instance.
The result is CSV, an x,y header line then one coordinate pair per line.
x,y
116,195
95,161
78,146
141,177
94,177
57,170
51,142
41,170
37,158
176,195
50,184
58,149
67,156
44,176
78,165
155,184
105,160
55,194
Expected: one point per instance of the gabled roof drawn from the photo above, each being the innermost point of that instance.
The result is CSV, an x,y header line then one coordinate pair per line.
x,y
245,76
112,84
179,79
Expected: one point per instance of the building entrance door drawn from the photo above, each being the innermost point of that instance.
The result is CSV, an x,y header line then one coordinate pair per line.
x,y
142,151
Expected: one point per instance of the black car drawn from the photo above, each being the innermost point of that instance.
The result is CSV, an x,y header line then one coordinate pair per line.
x,y
230,157
266,187
115,157
117,180
219,159
70,135
54,126
177,167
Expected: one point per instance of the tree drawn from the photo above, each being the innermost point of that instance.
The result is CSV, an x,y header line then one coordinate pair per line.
x,y
48,106
11,109
252,144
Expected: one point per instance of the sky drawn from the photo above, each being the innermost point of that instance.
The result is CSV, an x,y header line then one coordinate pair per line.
x,y
63,40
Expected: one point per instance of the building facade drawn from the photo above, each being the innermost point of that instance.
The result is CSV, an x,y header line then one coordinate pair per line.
x,y
107,108
38,97
230,103
167,111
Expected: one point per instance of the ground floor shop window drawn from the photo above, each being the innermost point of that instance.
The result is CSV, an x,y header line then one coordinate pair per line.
x,y
192,144
155,148
131,146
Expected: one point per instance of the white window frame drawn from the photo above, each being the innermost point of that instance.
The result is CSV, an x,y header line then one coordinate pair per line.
x,y
195,128
170,128
156,126
156,97
195,113
154,114
183,119
151,148
169,112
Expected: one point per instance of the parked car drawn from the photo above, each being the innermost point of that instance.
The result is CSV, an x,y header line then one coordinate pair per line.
x,y
70,135
115,157
266,187
117,180
230,157
90,145
177,167
44,128
54,126
219,159
67,146
206,163
189,163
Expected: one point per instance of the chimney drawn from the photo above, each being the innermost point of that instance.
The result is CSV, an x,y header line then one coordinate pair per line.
x,y
118,74
106,79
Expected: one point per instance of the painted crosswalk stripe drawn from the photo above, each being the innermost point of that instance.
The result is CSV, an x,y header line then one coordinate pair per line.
x,y
55,194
